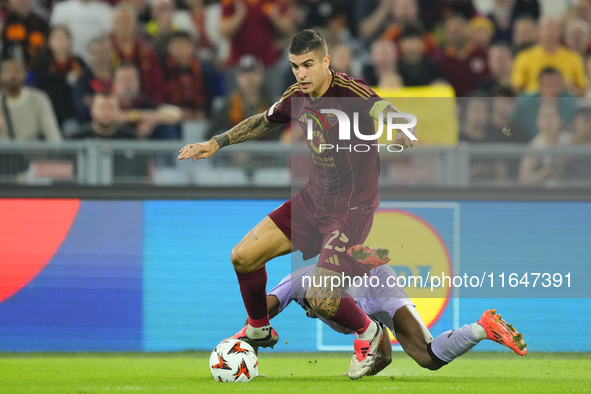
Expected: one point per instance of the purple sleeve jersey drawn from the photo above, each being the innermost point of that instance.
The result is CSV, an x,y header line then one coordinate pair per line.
x,y
378,302
344,175
287,290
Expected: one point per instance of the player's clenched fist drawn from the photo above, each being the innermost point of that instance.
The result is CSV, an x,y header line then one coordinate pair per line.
x,y
202,150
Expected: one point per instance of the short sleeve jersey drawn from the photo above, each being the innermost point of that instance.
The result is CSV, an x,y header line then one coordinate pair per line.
x,y
343,180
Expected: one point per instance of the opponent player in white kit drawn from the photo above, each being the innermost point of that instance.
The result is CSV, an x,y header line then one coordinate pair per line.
x,y
386,305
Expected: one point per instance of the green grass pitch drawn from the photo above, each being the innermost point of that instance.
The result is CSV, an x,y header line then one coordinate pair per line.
x,y
290,372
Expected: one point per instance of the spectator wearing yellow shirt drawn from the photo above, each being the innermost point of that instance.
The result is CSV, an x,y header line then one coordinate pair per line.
x,y
548,53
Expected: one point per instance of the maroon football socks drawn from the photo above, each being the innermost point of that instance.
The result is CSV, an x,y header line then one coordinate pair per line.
x,y
350,315
254,294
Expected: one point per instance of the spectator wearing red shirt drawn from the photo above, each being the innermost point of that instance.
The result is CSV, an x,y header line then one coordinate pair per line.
x,y
24,32
252,26
463,64
184,78
130,47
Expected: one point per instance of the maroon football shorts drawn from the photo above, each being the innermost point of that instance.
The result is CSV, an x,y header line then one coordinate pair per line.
x,y
314,232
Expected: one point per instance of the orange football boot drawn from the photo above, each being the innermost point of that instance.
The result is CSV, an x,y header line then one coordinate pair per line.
x,y
370,257
500,331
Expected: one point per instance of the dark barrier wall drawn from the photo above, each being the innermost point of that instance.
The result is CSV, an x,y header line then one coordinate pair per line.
x,y
155,275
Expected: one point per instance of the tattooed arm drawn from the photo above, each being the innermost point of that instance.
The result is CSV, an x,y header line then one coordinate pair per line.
x,y
254,127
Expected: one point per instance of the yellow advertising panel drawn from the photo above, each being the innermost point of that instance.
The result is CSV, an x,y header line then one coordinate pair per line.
x,y
435,109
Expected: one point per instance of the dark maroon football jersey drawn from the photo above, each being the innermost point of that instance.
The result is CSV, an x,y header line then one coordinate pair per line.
x,y
342,180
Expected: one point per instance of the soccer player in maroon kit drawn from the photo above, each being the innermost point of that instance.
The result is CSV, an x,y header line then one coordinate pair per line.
x,y
331,216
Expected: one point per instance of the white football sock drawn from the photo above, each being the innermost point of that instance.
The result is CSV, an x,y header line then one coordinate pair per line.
x,y
478,331
453,343
369,333
257,332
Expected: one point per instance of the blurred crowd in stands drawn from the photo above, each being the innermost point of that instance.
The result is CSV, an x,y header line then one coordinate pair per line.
x,y
139,69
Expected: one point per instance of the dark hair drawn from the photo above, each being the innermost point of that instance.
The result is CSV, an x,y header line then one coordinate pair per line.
x,y
18,61
180,34
549,71
413,30
307,41
524,18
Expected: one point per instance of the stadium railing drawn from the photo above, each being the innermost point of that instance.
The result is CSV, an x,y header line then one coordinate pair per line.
x,y
275,164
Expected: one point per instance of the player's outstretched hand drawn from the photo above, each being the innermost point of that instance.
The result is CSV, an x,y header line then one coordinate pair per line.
x,y
202,150
404,140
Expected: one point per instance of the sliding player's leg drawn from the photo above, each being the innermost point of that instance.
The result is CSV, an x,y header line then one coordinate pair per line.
x,y
415,339
264,242
414,336
453,343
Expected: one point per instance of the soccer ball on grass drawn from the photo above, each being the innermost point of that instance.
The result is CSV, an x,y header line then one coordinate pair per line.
x,y
233,361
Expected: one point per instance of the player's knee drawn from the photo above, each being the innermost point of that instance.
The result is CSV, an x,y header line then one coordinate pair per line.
x,y
240,261
430,365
